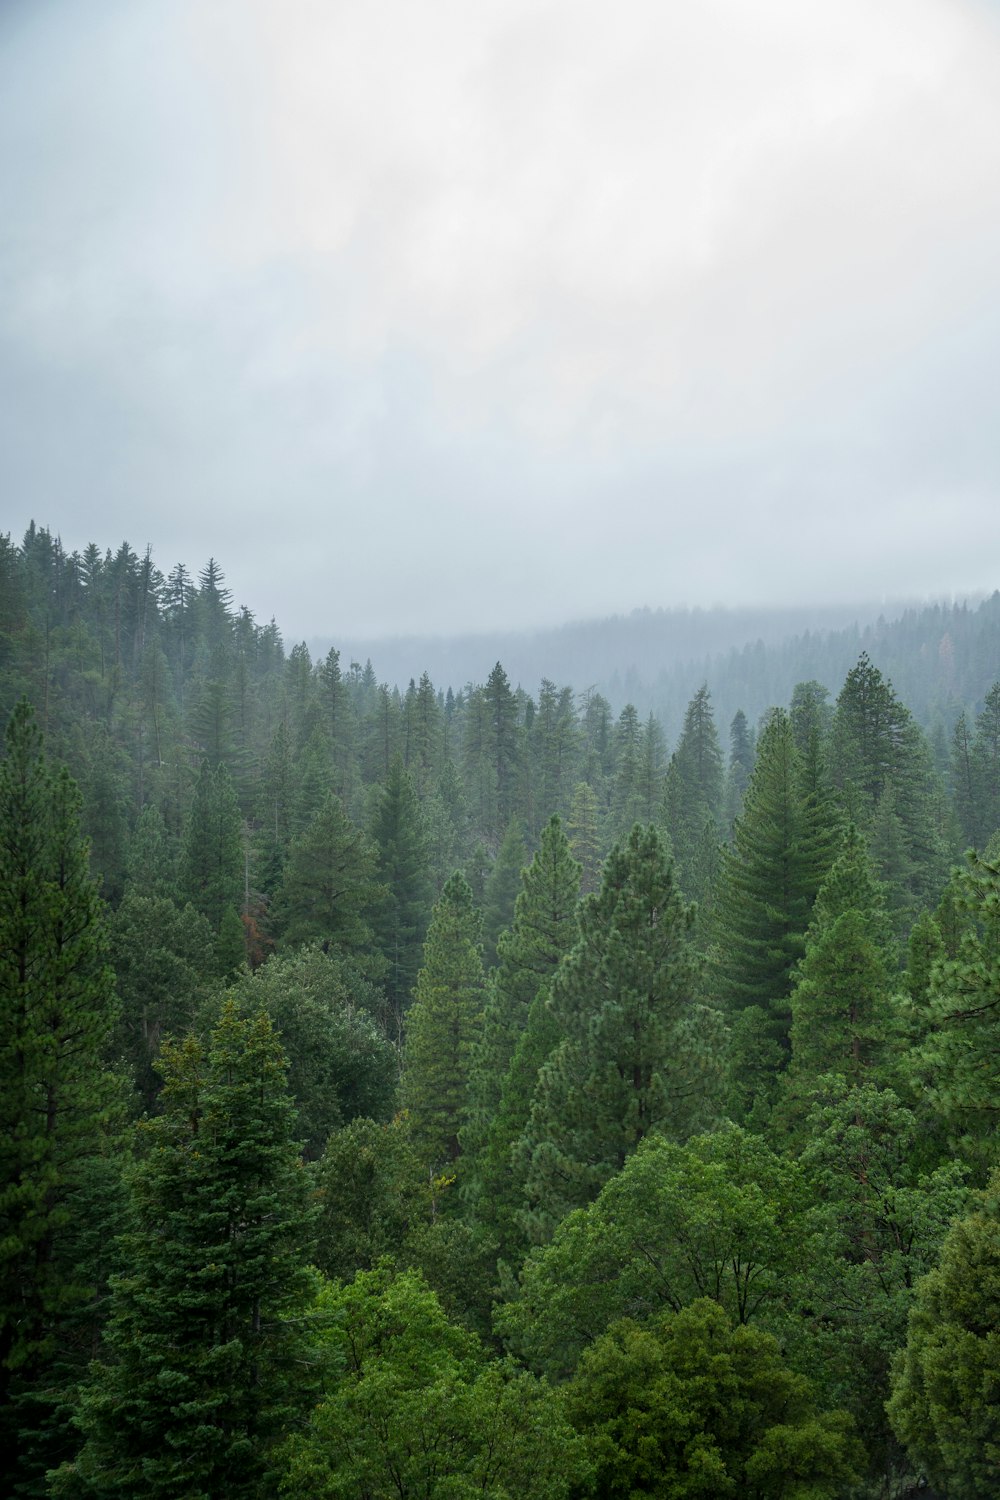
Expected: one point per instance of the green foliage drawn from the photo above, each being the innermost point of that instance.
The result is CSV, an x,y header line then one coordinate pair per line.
x,y
769,879
400,919
373,1189
691,1407
694,796
883,772
944,1401
165,958
212,861
722,1217
411,1408
57,1008
886,1214
443,1026
200,1371
502,886
330,891
638,1054
340,1064
841,1005
542,933
961,1050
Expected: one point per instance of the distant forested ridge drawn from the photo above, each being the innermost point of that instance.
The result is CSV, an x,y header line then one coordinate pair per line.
x,y
481,1087
939,655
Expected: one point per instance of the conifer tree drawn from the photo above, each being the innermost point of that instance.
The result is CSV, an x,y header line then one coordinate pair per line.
x,y
961,1048
769,878
501,888
330,891
57,1008
943,1406
693,796
584,836
878,752
400,919
841,1000
199,1372
986,766
637,1054
741,758
542,933
212,862
443,1026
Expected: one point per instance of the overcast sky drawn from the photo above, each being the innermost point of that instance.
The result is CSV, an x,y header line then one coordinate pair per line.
x,y
474,313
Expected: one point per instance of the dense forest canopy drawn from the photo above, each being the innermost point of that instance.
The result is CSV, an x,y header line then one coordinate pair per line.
x,y
465,1088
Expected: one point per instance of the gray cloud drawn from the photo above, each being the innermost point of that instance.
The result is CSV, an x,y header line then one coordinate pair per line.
x,y
451,316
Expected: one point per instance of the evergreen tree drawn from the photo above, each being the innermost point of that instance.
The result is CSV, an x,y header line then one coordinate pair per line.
x,y
330,891
961,1049
501,888
443,1026
694,796
878,753
556,744
943,1405
637,1053
625,809
741,758
584,836
986,766
841,999
213,862
400,920
767,886
542,933
57,1008
201,1367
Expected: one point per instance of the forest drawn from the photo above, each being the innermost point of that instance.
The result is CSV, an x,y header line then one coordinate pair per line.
x,y
465,1089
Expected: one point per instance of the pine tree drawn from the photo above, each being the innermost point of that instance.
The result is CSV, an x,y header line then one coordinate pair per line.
x,y
986,766
57,1006
200,1370
637,1053
330,891
443,1027
400,919
841,1000
943,1406
961,1050
769,878
501,888
213,862
625,809
694,795
741,758
878,752
584,836
542,933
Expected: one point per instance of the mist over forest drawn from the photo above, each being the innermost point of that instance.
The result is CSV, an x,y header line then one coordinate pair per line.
x,y
500,765
449,1089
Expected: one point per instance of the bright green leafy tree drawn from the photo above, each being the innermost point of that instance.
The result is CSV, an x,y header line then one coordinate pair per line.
x,y
412,1409
691,1408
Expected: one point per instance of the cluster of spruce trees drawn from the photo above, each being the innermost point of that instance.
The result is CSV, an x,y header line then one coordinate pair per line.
x,y
453,1093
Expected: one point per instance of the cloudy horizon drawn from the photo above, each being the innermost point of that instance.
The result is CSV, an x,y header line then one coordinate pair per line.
x,y
444,318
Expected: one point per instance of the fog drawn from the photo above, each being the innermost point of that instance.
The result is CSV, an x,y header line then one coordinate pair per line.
x,y
442,318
